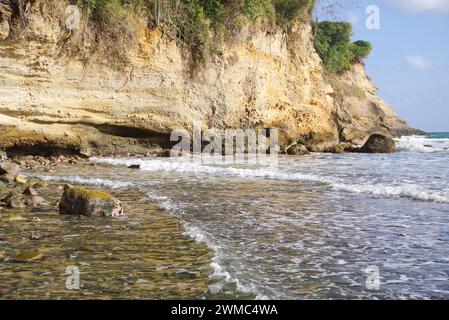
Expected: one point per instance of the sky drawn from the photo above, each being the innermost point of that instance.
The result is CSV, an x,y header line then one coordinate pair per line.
x,y
410,58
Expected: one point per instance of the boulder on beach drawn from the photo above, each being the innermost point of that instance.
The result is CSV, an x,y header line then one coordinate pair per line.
x,y
8,171
378,143
337,148
297,150
9,168
89,202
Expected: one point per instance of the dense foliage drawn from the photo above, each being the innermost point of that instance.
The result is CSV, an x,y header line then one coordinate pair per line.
x,y
361,49
203,25
192,21
334,46
216,11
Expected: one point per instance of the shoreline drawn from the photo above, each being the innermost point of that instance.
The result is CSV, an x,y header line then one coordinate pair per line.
x,y
35,229
166,252
119,246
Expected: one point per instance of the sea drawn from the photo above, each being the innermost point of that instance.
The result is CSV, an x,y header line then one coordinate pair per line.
x,y
320,226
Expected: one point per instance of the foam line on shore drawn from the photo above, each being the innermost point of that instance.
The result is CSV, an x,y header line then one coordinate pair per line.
x,y
409,191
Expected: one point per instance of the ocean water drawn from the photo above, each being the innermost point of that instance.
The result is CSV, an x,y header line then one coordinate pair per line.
x,y
315,227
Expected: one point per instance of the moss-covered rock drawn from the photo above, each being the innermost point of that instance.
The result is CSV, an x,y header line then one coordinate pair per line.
x,y
89,202
27,256
12,217
20,179
37,183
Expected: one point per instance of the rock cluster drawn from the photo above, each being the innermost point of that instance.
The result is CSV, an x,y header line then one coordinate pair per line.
x,y
15,190
19,195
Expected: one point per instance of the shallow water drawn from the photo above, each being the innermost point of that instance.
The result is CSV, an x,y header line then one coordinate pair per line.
x,y
142,255
308,229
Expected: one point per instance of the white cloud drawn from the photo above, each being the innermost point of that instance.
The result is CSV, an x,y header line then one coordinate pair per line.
x,y
418,6
418,62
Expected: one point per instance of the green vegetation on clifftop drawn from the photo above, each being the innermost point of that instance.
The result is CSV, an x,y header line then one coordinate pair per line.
x,y
201,25
333,45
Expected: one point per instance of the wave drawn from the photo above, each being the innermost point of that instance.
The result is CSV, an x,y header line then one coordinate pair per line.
x,y
410,191
220,276
89,181
423,144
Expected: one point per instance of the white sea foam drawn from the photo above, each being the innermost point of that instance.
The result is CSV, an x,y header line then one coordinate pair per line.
x,y
422,144
410,191
219,273
89,181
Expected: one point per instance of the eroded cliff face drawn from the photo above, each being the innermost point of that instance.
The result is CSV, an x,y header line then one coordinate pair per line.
x,y
360,112
49,101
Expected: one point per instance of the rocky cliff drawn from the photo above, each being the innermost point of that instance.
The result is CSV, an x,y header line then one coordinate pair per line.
x,y
51,102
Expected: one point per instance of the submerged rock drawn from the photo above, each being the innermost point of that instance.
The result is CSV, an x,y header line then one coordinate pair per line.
x,y
34,201
32,198
4,191
12,217
89,202
27,256
378,143
14,200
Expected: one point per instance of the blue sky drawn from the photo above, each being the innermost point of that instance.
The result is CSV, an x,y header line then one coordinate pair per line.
x,y
410,58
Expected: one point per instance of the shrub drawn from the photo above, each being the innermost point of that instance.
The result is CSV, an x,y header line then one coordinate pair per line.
x,y
333,45
199,24
105,12
361,49
196,30
288,10
254,9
